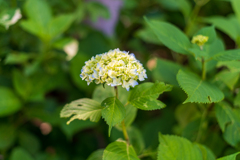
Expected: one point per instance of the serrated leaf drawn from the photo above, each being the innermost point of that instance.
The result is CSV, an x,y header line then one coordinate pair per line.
x,y
113,112
233,66
229,122
9,102
119,150
82,109
230,157
166,71
170,36
178,148
198,91
144,96
96,155
228,78
229,55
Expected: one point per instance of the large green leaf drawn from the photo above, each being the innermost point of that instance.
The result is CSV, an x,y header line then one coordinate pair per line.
x,y
198,90
229,122
119,150
82,109
229,78
113,112
7,136
230,157
144,96
96,155
229,55
9,102
166,71
235,6
20,153
170,36
178,148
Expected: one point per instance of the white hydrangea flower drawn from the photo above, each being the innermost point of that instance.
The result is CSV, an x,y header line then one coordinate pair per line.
x,y
114,68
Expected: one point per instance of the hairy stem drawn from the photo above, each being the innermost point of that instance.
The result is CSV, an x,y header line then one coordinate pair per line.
x,y
125,134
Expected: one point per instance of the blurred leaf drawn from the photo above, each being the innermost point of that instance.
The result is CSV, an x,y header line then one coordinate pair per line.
x,y
96,155
20,153
136,139
209,32
170,36
9,17
60,24
228,55
7,136
19,58
230,157
233,66
237,100
144,95
235,4
100,93
146,34
97,10
166,71
192,128
172,147
229,122
29,142
131,113
113,112
82,109
198,91
228,78
119,150
9,102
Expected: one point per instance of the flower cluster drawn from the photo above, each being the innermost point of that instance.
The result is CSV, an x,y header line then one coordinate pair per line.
x,y
114,68
200,40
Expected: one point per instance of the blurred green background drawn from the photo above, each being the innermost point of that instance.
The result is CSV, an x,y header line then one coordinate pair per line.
x,y
43,46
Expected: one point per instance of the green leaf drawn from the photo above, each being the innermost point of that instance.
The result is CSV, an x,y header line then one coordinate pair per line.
x,y
20,153
230,157
178,148
7,136
9,102
101,93
29,142
96,10
229,122
144,96
136,139
233,66
96,155
228,55
113,112
131,113
237,100
119,150
228,78
82,109
235,5
227,25
60,24
147,35
19,58
166,71
209,32
198,91
170,36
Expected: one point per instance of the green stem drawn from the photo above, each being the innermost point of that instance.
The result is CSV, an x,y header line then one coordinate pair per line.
x,y
125,134
203,69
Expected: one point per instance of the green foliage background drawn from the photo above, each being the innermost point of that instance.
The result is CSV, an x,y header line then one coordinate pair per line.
x,y
37,80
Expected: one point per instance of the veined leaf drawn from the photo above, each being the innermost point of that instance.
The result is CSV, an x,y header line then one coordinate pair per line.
x,y
230,157
113,112
179,148
119,150
228,78
229,122
144,96
82,109
229,55
198,91
170,36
